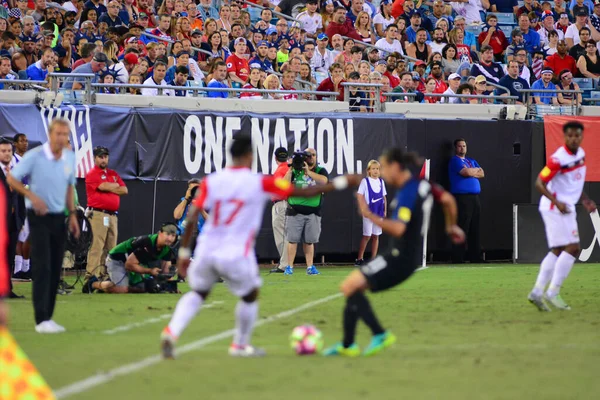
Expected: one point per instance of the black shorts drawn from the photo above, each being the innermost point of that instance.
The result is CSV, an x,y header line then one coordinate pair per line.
x,y
387,271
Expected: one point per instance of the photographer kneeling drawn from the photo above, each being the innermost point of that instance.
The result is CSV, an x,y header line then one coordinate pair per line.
x,y
135,265
303,216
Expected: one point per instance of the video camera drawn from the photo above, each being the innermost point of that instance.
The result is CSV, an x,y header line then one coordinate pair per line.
x,y
298,160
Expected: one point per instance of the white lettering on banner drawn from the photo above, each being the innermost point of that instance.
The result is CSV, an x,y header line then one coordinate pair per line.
x,y
334,142
587,253
81,133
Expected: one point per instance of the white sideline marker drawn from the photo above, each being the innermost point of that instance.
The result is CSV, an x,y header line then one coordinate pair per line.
x,y
101,378
427,166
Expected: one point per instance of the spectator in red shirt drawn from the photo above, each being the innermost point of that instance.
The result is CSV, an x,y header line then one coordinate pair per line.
x,y
494,37
392,63
436,72
332,83
287,83
561,60
237,64
278,211
104,188
164,25
340,24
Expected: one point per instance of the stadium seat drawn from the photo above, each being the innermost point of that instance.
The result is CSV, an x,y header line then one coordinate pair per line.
x,y
585,84
474,29
507,29
320,77
505,18
254,14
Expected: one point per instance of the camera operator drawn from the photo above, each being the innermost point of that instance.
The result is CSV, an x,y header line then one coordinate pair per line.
x,y
133,262
303,216
180,212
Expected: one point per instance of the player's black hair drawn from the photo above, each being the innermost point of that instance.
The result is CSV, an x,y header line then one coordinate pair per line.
x,y
241,146
572,125
405,159
4,140
18,136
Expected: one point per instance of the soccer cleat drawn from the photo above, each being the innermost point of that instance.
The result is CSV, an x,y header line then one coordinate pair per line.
x,y
339,350
312,270
167,344
359,262
277,270
288,271
538,301
87,285
246,351
557,302
380,342
49,327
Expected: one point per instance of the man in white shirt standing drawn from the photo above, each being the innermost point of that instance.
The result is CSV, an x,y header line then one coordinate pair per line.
x,y
311,20
158,79
389,43
470,9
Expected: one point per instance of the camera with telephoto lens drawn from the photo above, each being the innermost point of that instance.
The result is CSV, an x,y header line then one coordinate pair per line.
x,y
298,160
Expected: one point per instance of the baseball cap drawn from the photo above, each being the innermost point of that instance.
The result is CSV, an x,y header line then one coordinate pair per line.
x,y
322,36
480,79
582,12
381,62
196,32
70,13
239,40
271,31
453,76
419,62
49,33
169,228
546,14
100,151
272,45
354,75
281,154
312,1
263,43
131,58
415,12
596,3
386,2
438,64
132,39
416,76
28,39
142,15
100,57
182,53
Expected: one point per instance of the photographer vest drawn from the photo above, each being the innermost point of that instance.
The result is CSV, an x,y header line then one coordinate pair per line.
x,y
305,205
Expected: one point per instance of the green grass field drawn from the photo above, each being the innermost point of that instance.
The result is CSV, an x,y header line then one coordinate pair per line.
x,y
464,333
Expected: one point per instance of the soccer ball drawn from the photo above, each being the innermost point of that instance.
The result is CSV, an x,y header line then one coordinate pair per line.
x,y
306,340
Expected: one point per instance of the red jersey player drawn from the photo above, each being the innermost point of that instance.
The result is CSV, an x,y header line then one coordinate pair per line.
x,y
561,185
225,248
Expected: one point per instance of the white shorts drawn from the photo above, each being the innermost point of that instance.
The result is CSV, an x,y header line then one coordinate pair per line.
x,y
24,234
369,228
561,229
240,273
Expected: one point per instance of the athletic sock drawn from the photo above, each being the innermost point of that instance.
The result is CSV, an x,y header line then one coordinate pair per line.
x,y
18,264
351,317
545,274
25,267
245,317
187,308
368,315
563,267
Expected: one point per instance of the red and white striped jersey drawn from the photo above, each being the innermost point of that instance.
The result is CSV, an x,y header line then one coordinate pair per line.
x,y
565,175
235,201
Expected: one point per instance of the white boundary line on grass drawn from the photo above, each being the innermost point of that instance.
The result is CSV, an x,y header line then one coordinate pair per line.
x,y
104,377
128,327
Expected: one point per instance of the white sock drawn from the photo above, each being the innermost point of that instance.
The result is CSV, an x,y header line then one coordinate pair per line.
x,y
563,267
25,267
545,274
18,263
187,308
245,317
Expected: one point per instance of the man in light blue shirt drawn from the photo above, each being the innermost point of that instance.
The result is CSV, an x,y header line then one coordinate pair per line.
x,y
51,172
218,81
545,83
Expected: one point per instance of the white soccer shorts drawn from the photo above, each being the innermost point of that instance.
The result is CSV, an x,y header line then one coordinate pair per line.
x,y
369,228
24,234
240,273
561,229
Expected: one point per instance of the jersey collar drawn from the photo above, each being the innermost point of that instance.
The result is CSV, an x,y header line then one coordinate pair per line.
x,y
568,150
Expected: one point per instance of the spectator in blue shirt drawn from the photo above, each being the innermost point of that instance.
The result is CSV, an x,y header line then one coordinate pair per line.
x,y
218,81
464,174
38,70
504,6
530,37
96,5
180,79
513,82
415,25
588,3
545,83
206,10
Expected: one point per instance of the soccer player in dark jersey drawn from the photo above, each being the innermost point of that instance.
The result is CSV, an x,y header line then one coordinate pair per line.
x,y
411,210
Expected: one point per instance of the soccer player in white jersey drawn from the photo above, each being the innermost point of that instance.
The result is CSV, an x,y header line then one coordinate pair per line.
x,y
561,185
235,198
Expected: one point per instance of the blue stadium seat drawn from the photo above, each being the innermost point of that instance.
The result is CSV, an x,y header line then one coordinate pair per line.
x,y
507,29
474,29
595,94
505,18
254,14
585,84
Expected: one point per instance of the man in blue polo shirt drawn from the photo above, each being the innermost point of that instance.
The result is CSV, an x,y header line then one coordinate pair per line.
x,y
530,37
464,175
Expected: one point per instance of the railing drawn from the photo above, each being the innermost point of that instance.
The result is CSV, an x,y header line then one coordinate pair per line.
x,y
38,85
87,83
511,99
533,110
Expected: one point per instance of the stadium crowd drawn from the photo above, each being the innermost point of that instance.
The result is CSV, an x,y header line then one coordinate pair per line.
x,y
421,47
